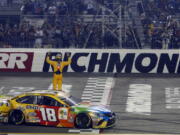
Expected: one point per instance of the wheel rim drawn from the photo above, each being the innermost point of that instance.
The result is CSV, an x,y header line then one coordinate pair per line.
x,y
16,118
83,121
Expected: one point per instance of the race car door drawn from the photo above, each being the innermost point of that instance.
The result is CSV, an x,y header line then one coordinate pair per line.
x,y
53,113
28,104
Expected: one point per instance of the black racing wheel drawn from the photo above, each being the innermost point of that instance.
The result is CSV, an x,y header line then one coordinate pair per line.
x,y
16,117
83,121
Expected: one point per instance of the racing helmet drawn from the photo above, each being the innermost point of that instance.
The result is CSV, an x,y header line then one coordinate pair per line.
x,y
58,56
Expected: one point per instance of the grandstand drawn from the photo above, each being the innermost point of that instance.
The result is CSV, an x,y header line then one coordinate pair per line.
x,y
128,24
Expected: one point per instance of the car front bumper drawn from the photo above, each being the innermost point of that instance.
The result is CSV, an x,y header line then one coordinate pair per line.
x,y
106,122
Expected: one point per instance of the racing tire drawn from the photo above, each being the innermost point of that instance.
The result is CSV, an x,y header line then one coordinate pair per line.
x,y
83,121
16,117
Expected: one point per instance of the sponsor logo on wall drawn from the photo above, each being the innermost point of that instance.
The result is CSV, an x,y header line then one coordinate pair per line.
x,y
16,61
93,61
122,62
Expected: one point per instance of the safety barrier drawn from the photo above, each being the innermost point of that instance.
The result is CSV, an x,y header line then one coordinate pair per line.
x,y
93,60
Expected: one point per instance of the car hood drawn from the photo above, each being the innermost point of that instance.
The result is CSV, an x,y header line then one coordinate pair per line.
x,y
92,108
4,98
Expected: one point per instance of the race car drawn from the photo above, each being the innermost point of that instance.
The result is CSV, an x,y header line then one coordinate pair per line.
x,y
54,108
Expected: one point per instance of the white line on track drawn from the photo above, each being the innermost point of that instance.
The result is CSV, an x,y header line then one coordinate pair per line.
x,y
172,98
1,90
98,90
106,98
84,131
139,99
50,87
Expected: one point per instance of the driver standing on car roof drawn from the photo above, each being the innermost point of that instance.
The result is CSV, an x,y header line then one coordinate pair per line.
x,y
58,66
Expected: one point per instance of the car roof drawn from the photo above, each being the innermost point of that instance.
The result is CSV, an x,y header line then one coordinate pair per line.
x,y
44,92
53,92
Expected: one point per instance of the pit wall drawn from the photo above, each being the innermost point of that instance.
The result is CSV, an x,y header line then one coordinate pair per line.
x,y
93,60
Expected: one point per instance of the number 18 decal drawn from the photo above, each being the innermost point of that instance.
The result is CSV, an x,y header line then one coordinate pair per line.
x,y
48,114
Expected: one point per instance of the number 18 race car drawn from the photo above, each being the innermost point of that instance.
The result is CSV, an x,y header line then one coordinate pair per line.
x,y
54,108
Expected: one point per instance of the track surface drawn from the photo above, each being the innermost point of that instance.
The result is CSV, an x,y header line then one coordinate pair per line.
x,y
160,119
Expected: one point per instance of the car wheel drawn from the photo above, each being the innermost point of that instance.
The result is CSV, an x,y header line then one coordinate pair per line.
x,y
83,121
16,117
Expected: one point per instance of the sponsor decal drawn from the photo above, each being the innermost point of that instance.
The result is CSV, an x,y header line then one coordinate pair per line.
x,y
21,108
71,119
63,113
34,119
122,62
16,61
32,107
32,114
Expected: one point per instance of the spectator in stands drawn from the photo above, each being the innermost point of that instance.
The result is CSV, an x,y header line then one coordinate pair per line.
x,y
89,7
9,2
31,37
65,37
99,37
50,31
58,37
52,11
77,32
108,37
3,3
28,7
62,8
80,35
160,12
22,36
91,39
15,35
1,35
165,40
156,42
38,38
63,31
38,8
150,29
140,8
129,40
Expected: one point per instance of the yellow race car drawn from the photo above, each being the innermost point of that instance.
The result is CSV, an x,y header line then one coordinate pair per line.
x,y
54,108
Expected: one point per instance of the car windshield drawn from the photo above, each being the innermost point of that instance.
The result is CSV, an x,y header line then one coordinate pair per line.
x,y
71,101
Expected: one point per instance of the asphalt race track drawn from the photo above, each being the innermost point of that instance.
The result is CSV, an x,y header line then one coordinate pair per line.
x,y
142,103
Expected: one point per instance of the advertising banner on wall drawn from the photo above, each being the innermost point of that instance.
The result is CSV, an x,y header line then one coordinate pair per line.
x,y
93,61
16,61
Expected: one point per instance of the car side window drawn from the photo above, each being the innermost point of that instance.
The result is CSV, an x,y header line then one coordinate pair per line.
x,y
27,100
45,100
